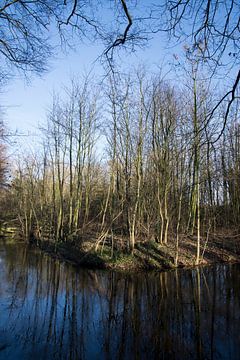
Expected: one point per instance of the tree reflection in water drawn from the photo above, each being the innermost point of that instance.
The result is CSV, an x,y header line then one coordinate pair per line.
x,y
50,310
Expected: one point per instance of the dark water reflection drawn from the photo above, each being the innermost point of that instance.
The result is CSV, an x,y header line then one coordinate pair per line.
x,y
49,310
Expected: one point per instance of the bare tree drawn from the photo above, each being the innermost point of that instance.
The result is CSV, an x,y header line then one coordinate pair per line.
x,y
28,29
210,31
209,28
3,162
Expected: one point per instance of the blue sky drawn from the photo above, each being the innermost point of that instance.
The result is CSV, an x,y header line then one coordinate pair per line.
x,y
25,103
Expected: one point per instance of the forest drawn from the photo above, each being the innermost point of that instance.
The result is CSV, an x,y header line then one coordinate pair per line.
x,y
137,164
119,179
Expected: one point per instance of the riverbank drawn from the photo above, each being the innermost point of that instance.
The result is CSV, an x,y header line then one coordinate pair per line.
x,y
220,248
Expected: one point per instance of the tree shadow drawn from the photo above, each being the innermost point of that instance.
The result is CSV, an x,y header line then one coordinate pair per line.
x,y
150,251
73,254
209,254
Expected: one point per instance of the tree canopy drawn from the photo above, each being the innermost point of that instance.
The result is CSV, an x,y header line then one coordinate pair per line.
x,y
208,29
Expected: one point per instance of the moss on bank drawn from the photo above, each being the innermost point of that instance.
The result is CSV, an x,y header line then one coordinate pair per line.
x,y
8,231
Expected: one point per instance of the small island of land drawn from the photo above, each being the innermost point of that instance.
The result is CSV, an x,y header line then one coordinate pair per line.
x,y
148,255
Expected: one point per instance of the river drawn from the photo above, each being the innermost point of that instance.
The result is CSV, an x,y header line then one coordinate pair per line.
x,y
51,310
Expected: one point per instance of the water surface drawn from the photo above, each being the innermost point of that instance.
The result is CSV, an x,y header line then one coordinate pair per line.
x,y
50,310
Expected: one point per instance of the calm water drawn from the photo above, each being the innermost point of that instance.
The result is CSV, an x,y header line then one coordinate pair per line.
x,y
48,310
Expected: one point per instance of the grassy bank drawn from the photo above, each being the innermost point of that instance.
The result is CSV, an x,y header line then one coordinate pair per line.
x,y
222,247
